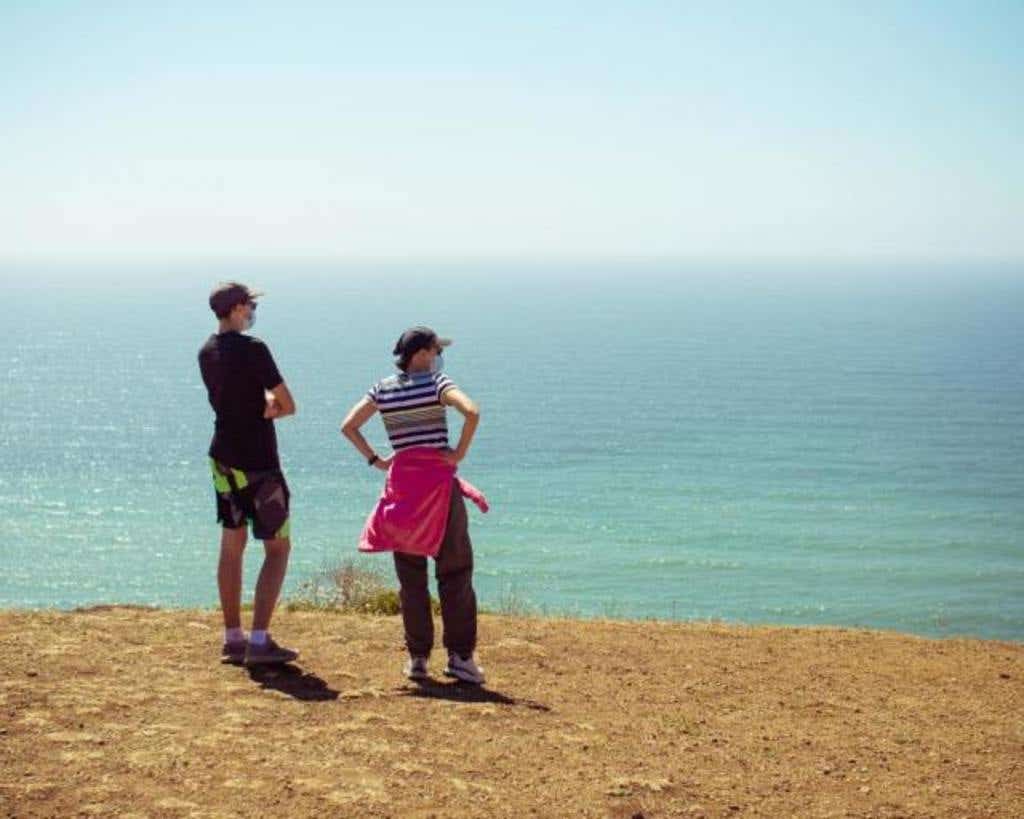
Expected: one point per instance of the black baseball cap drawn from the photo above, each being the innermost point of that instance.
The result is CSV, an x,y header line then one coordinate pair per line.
x,y
227,294
417,338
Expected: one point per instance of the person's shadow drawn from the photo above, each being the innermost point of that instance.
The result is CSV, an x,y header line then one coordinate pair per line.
x,y
457,691
293,681
290,679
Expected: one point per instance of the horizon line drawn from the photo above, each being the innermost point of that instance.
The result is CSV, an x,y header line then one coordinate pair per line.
x,y
263,259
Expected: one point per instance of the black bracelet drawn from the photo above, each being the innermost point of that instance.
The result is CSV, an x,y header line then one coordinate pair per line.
x,y
373,460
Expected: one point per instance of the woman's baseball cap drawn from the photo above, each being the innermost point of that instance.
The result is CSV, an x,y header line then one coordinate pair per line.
x,y
417,338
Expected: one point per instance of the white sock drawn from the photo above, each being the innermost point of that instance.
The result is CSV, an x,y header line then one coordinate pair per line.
x,y
234,635
258,637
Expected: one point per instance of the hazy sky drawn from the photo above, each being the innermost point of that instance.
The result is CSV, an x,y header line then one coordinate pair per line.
x,y
861,130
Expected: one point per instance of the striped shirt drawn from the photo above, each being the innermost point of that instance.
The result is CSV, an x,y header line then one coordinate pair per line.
x,y
410,404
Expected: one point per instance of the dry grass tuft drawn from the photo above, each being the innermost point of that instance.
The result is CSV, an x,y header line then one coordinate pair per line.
x,y
349,588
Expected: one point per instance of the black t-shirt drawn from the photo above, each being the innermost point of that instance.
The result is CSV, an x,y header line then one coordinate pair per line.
x,y
236,370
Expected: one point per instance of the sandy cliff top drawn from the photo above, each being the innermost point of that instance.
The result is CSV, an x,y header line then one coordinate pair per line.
x,y
128,712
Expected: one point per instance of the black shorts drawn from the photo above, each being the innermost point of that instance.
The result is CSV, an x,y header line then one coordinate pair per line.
x,y
261,497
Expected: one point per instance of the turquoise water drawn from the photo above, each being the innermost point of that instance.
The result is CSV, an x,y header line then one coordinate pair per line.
x,y
839,447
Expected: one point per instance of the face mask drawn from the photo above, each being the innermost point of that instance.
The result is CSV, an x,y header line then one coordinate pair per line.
x,y
438,363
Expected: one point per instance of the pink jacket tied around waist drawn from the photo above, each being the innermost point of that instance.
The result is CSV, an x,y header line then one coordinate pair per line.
x,y
412,512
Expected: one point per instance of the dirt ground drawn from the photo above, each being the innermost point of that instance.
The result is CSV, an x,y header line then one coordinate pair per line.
x,y
128,712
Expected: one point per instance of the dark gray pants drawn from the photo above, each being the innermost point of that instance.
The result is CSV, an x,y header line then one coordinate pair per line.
x,y
453,568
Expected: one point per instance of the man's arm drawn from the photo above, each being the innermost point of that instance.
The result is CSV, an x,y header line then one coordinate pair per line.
x,y
471,413
278,399
279,402
357,416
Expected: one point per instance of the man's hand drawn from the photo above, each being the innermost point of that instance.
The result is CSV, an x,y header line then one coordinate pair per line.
x,y
272,409
383,463
279,402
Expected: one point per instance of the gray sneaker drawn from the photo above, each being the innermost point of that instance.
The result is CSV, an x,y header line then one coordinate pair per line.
x,y
234,652
416,668
463,668
270,653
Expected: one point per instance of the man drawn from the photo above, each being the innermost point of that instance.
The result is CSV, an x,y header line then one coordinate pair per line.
x,y
247,394
422,512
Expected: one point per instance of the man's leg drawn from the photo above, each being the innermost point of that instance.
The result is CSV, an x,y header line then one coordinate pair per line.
x,y
268,585
229,575
415,597
272,525
454,571
262,650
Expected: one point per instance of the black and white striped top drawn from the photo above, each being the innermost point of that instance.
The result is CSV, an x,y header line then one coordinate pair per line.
x,y
410,404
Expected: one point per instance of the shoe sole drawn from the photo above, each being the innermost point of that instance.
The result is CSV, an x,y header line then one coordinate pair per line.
x,y
249,662
417,675
232,660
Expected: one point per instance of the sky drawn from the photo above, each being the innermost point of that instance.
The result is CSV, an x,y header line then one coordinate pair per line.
x,y
852,131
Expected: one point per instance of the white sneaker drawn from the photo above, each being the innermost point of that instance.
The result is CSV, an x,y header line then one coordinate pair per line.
x,y
464,669
416,668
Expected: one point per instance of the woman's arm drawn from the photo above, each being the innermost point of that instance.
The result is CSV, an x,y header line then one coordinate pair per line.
x,y
471,413
357,416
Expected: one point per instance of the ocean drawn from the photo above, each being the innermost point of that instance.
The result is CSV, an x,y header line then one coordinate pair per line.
x,y
752,444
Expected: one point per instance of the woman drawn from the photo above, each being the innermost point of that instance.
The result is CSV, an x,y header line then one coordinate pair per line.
x,y
422,511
